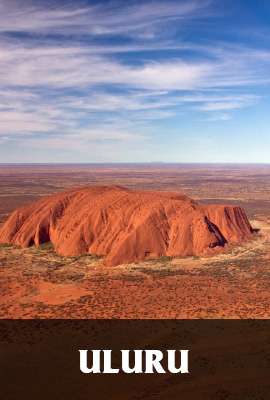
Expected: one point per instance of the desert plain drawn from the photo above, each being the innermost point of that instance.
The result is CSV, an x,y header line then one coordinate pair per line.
x,y
36,282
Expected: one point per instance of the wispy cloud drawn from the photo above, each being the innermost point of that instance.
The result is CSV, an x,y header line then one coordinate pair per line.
x,y
113,18
65,67
227,103
64,82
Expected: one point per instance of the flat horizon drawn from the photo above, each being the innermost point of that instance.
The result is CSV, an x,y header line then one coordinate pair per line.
x,y
135,163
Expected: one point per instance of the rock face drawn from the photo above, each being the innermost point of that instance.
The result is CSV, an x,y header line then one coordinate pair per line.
x,y
126,226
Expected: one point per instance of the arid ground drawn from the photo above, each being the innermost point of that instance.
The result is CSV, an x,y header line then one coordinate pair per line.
x,y
37,283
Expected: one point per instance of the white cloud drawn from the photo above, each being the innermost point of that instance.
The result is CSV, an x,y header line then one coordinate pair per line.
x,y
104,138
112,18
78,92
76,66
229,103
66,67
22,123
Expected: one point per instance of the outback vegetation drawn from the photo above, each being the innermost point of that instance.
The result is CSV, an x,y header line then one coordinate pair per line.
x,y
36,282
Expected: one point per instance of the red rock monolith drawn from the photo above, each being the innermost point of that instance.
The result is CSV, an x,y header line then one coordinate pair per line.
x,y
126,226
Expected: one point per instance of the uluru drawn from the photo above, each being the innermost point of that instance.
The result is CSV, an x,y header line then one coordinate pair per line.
x,y
126,226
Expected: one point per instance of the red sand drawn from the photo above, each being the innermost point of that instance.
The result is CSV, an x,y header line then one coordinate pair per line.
x,y
126,226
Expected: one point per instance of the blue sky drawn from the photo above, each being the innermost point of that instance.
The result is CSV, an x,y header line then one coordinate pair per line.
x,y
134,81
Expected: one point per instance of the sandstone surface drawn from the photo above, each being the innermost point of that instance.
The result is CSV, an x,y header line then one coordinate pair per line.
x,y
125,225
